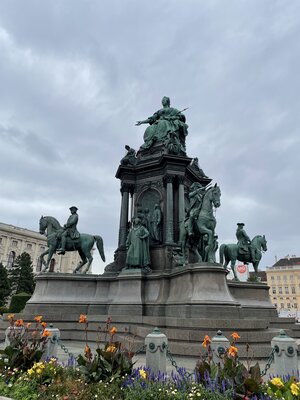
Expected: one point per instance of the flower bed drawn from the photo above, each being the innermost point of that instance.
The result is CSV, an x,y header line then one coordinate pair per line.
x,y
109,373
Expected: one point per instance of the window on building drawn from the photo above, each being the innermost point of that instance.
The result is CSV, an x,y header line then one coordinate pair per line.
x,y
281,305
273,290
280,290
0,241
29,246
284,278
11,259
42,248
14,243
288,305
286,290
295,305
272,278
293,290
278,278
291,277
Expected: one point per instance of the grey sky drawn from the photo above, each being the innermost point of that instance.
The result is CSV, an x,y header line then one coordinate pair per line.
x,y
76,75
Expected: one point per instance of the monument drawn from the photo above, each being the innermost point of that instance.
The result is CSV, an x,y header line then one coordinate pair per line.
x,y
164,271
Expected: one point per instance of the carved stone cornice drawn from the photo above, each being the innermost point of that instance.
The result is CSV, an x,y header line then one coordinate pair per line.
x,y
181,179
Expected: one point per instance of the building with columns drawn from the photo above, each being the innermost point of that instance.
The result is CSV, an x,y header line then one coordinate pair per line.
x,y
284,281
15,240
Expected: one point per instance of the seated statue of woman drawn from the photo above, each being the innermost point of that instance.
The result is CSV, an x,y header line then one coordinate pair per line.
x,y
165,121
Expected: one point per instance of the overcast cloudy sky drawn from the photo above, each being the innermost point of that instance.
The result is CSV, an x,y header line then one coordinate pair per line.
x,y
76,75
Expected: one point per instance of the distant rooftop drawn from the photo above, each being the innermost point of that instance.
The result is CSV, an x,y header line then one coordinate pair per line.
x,y
287,262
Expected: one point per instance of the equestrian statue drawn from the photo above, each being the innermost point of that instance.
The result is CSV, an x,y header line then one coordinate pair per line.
x,y
67,238
246,250
197,231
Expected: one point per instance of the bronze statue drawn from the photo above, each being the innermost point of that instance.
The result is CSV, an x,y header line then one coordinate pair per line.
x,y
156,222
244,242
195,165
130,156
232,252
137,245
84,244
195,195
69,229
165,121
204,224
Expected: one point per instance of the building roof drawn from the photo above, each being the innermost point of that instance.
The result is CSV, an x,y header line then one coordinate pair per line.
x,y
284,262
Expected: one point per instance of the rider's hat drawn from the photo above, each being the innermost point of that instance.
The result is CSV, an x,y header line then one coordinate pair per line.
x,y
240,224
73,208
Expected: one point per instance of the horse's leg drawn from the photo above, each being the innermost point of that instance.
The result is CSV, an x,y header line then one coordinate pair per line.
x,y
51,251
88,255
42,257
81,263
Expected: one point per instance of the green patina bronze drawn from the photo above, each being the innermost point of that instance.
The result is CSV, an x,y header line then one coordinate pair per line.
x,y
246,250
137,245
166,126
198,230
82,243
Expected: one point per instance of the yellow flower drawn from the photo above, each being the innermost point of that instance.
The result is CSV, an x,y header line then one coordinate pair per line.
x,y
232,351
111,349
206,341
39,371
143,374
38,318
277,382
30,371
295,389
235,336
82,319
44,324
10,316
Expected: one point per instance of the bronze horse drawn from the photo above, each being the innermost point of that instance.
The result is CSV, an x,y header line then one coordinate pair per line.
x,y
231,253
83,245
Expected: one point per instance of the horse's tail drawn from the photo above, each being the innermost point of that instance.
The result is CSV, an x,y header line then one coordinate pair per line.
x,y
99,242
221,253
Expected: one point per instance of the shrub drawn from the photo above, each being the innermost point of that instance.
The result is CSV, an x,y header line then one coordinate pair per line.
x,y
18,302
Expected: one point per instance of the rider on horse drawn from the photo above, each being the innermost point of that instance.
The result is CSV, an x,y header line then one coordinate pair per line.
x,y
244,242
196,194
69,229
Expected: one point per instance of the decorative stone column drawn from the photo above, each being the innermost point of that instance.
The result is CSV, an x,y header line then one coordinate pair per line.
x,y
125,188
181,203
169,212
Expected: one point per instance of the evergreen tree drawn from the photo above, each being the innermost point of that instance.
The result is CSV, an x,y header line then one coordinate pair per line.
x,y
21,275
5,288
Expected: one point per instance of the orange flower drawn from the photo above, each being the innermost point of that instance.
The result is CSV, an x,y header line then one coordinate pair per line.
x,y
87,350
111,349
46,333
113,331
38,318
83,319
44,324
19,322
235,336
28,325
232,351
206,341
10,317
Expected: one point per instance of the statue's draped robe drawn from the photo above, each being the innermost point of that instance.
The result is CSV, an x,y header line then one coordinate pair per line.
x,y
163,122
138,247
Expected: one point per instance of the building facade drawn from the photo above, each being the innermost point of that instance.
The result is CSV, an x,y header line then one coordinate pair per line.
x,y
15,240
284,281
